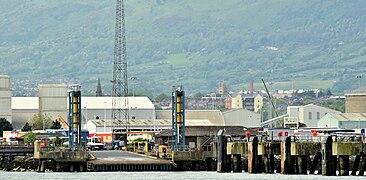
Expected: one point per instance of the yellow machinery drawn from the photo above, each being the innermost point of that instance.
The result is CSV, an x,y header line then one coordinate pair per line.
x,y
140,146
163,149
62,121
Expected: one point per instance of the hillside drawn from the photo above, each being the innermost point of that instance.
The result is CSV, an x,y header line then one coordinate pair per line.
x,y
304,43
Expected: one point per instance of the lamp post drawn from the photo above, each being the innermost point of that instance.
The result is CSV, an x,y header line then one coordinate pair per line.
x,y
105,115
262,112
133,85
43,123
86,118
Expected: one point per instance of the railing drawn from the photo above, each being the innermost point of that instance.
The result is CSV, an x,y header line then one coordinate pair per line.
x,y
273,121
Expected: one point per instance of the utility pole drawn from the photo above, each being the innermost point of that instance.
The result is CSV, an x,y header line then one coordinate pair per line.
x,y
359,77
133,85
120,105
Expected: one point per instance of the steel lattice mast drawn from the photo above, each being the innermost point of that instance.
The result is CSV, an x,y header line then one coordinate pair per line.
x,y
120,105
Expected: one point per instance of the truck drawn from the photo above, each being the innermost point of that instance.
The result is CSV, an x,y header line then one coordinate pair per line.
x,y
95,143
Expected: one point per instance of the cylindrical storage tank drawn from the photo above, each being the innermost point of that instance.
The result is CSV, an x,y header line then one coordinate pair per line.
x,y
5,98
53,100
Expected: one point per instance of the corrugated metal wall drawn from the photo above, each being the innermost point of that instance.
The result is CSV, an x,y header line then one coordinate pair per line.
x,y
5,98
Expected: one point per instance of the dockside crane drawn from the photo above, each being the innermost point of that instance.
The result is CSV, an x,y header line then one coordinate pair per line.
x,y
271,100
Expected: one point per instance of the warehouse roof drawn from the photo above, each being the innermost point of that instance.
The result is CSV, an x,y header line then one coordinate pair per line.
x,y
349,116
88,102
106,102
24,103
196,117
158,122
210,131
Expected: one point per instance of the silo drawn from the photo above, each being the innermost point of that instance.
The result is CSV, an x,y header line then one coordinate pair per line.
x,y
53,100
5,98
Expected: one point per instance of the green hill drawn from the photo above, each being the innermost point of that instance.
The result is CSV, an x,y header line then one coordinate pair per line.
x,y
194,43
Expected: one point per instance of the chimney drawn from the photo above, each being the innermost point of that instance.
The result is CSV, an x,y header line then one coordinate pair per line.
x,y
251,87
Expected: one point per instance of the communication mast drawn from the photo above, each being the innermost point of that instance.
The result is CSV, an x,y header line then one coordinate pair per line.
x,y
120,105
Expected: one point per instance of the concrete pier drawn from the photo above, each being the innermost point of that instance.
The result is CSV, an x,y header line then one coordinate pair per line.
x,y
327,154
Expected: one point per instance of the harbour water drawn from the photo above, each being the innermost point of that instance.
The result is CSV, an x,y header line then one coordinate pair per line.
x,y
161,175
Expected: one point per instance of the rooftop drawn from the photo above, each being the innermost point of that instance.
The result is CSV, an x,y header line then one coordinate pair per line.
x,y
349,116
204,117
106,102
150,123
210,131
88,102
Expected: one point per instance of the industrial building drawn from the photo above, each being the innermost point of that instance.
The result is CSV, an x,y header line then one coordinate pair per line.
x,y
343,121
296,115
202,118
356,101
241,117
201,137
93,108
52,99
23,108
5,98
96,111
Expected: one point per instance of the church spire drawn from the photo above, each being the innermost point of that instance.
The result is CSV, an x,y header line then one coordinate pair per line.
x,y
99,93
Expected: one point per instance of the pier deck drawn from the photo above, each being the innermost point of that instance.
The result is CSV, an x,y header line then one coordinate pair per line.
x,y
127,161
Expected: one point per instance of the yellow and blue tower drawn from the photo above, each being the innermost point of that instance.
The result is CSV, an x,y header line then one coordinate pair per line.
x,y
178,119
74,118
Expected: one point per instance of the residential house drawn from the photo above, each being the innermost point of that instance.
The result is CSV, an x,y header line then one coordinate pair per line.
x,y
253,103
237,102
228,101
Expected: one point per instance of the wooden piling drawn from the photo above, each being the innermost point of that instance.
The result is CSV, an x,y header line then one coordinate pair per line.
x,y
343,165
222,157
362,165
253,164
302,164
237,163
271,163
266,164
271,152
2,161
287,165
43,166
328,160
355,165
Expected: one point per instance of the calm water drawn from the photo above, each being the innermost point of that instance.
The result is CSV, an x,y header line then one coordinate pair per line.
x,y
159,175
